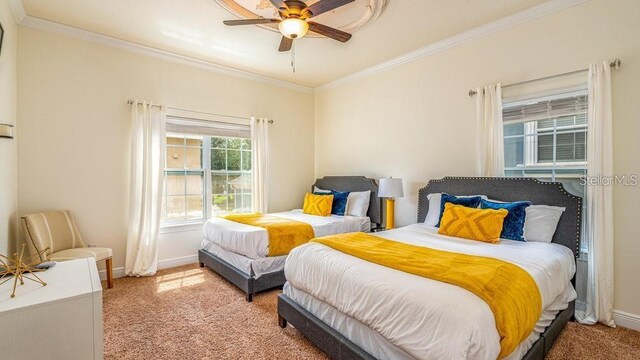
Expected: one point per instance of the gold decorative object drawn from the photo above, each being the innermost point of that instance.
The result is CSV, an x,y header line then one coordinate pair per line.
x,y
18,267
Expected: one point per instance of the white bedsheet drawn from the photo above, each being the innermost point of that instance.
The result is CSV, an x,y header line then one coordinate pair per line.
x,y
375,344
425,318
253,241
254,267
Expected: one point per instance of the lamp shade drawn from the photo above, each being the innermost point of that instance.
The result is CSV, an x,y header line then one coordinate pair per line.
x,y
293,28
390,188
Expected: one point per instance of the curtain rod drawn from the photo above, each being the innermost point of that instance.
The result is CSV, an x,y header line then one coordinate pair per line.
x,y
615,64
131,102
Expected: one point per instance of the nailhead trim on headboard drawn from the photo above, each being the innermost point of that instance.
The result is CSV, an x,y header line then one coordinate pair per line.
x,y
545,193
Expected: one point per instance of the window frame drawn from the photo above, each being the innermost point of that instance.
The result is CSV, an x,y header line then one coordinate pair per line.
x,y
532,162
554,165
203,170
207,173
213,172
531,148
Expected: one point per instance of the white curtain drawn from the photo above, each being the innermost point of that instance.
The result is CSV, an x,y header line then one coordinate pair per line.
x,y
490,142
260,164
145,188
599,216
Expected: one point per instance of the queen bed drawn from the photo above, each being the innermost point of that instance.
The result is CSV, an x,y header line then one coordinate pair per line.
x,y
355,309
240,252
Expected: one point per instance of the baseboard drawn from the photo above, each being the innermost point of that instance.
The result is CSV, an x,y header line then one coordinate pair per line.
x,y
621,318
162,264
625,319
170,263
117,273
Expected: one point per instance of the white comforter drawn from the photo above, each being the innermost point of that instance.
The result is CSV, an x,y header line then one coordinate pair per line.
x,y
253,242
426,318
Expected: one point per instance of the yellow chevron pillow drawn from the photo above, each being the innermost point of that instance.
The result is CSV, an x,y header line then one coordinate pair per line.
x,y
319,205
471,223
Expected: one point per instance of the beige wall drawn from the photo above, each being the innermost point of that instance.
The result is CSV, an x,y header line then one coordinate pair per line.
x,y
417,122
73,114
8,148
414,121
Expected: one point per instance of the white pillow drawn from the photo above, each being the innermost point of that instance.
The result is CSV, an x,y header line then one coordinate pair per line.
x,y
433,214
541,222
320,191
358,203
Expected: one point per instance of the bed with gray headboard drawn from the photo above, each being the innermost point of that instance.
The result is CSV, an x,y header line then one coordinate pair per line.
x,y
515,189
355,183
247,280
339,346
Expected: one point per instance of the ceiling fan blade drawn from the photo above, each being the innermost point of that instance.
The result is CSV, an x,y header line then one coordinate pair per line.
x,y
278,4
250,22
329,31
285,44
323,6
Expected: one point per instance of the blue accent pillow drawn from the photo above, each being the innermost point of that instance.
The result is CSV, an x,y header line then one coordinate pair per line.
x,y
339,205
513,226
471,202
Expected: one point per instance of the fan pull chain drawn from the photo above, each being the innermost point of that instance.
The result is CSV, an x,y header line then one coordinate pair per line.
x,y
293,57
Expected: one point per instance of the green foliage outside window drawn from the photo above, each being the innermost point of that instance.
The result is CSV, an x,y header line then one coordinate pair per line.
x,y
230,154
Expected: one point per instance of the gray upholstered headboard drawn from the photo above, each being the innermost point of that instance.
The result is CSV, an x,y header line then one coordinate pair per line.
x,y
355,183
514,189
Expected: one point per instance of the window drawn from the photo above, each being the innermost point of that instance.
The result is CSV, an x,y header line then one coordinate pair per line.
x,y
184,178
545,138
230,174
207,171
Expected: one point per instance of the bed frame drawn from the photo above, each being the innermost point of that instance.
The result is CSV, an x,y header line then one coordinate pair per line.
x,y
567,234
247,283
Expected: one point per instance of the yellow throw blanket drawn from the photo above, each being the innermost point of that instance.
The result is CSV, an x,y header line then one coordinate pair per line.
x,y
284,234
510,292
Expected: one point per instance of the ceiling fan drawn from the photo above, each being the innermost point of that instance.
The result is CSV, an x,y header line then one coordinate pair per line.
x,y
294,20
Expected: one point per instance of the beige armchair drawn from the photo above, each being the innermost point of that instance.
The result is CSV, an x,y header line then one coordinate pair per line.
x,y
57,230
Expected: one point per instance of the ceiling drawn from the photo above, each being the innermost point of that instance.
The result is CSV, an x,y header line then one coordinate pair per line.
x,y
194,28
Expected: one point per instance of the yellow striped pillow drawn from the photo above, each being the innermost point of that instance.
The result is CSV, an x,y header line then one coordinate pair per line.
x,y
471,223
319,205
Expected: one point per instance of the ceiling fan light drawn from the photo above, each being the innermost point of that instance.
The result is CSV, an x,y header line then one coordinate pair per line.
x,y
293,28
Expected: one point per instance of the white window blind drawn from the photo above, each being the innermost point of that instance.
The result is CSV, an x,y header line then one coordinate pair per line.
x,y
548,131
208,128
574,104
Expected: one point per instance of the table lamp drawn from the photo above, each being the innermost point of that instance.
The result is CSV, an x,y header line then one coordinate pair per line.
x,y
390,188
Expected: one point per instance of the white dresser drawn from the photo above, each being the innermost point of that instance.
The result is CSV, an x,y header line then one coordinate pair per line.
x,y
62,320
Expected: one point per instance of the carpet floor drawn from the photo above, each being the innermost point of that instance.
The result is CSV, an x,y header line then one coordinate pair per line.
x,y
192,313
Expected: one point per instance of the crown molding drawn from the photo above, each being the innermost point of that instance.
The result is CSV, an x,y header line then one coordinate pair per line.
x,y
70,31
506,22
17,8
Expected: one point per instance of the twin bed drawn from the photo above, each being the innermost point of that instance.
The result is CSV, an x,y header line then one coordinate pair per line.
x,y
239,252
355,309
